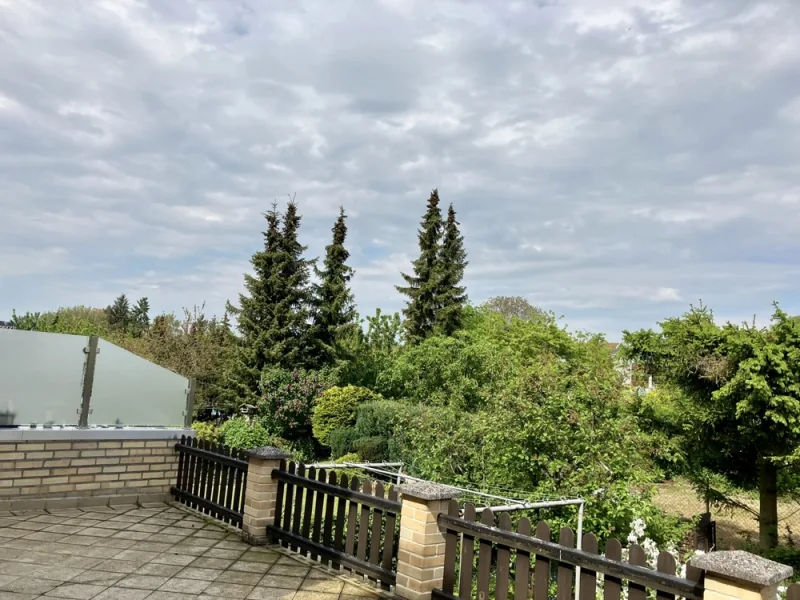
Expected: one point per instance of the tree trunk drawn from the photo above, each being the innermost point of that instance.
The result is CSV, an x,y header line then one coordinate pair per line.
x,y
768,509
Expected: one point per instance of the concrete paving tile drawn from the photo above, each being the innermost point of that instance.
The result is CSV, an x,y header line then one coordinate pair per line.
x,y
239,577
28,585
170,558
98,532
131,535
56,573
166,538
113,542
195,573
261,557
329,586
249,567
82,562
357,591
158,569
139,556
93,577
212,563
320,573
17,568
184,548
233,545
263,593
294,570
210,534
83,540
185,586
283,582
142,582
145,528
234,591
77,591
16,596
224,553
4,579
117,593
60,528
149,546
159,595
118,566
309,595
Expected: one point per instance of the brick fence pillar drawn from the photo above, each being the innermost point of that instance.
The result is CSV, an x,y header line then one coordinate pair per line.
x,y
261,492
420,559
740,575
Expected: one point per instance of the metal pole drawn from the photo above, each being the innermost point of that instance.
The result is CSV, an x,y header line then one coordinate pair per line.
x,y
578,546
189,413
88,381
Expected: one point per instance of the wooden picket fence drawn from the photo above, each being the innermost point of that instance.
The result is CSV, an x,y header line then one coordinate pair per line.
x,y
505,568
338,521
212,478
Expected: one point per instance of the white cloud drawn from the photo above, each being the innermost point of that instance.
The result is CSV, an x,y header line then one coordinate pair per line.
x,y
593,150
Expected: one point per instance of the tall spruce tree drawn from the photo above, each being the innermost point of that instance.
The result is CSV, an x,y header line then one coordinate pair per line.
x,y
294,346
422,287
451,295
334,309
255,318
140,317
119,313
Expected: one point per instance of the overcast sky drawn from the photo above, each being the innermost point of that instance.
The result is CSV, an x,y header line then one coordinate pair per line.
x,y
610,160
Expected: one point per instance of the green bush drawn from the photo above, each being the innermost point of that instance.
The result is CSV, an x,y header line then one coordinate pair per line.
x,y
239,433
341,441
207,432
336,409
378,418
288,400
372,449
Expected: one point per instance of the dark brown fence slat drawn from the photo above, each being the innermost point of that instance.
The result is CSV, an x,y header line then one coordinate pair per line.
x,y
565,571
222,487
363,524
522,575
665,564
192,442
612,586
341,510
589,577
297,511
308,509
636,557
352,517
288,504
279,501
181,466
201,486
485,557
230,484
503,561
319,509
793,593
450,549
389,550
377,528
238,486
541,570
467,556
213,474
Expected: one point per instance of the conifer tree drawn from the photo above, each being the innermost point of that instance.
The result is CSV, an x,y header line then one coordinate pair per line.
x,y
451,295
140,317
334,309
421,287
119,313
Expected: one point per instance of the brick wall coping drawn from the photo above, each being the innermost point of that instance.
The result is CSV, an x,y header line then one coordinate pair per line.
x,y
24,434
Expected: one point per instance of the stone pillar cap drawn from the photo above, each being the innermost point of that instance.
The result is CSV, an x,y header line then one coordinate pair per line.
x,y
428,490
741,566
267,453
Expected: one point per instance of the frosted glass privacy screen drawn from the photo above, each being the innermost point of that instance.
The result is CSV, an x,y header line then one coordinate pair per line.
x,y
129,390
41,377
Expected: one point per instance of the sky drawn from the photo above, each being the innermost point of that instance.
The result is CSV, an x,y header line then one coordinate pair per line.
x,y
610,160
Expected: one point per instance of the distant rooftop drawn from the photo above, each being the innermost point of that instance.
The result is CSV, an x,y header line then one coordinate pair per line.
x,y
6,325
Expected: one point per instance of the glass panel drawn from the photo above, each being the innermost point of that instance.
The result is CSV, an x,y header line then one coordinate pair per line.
x,y
129,390
41,377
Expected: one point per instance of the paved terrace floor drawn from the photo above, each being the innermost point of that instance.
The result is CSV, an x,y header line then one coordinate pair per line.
x,y
154,552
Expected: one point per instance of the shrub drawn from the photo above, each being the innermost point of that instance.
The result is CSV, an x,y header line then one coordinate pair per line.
x,y
207,432
341,441
289,398
372,449
336,409
377,419
239,433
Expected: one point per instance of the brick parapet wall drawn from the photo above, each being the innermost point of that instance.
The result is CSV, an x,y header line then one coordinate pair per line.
x,y
81,472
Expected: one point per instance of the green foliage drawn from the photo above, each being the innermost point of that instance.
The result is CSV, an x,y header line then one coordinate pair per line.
x,y
288,399
378,418
119,313
372,351
208,432
336,409
334,310
341,441
742,386
77,320
513,307
239,433
372,449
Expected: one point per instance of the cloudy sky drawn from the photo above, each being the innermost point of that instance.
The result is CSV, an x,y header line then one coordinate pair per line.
x,y
610,160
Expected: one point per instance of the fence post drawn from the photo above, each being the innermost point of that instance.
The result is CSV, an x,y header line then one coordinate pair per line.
x,y
261,492
420,558
88,381
740,575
